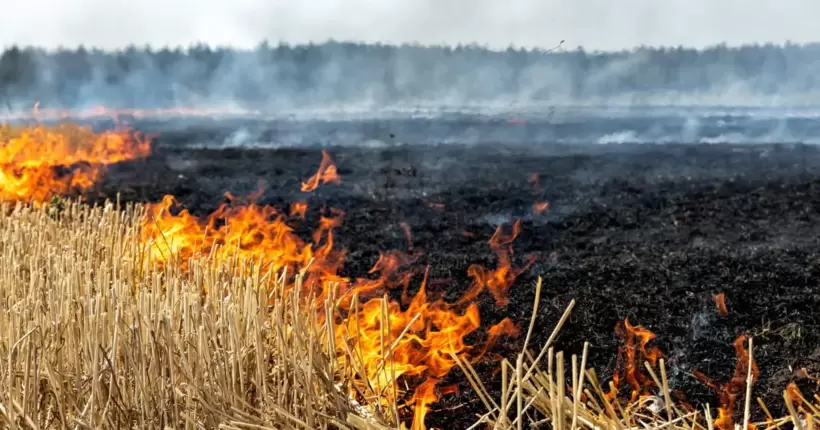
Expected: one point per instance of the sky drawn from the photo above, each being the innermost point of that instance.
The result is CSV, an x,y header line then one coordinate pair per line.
x,y
593,24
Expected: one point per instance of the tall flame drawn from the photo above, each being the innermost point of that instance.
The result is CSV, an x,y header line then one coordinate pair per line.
x,y
633,353
326,174
412,341
499,280
40,162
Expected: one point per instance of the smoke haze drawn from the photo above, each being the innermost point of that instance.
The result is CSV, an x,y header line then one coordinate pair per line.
x,y
594,24
287,77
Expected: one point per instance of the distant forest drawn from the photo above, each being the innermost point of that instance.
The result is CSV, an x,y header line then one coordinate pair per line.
x,y
334,73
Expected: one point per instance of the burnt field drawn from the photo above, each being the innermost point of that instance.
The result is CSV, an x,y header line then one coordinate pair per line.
x,y
645,232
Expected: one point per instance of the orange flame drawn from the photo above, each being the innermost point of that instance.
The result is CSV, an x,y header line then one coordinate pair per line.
x,y
327,173
414,343
435,332
39,162
540,207
504,328
497,281
631,357
425,396
720,302
298,209
729,392
794,395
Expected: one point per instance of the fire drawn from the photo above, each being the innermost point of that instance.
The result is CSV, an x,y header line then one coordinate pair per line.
x,y
540,207
631,357
40,162
504,328
417,340
298,209
433,331
424,396
497,281
794,395
326,174
720,302
245,231
729,391
398,343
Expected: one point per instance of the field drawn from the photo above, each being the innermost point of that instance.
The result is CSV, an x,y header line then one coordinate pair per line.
x,y
700,246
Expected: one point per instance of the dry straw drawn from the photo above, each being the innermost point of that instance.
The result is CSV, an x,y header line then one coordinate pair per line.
x,y
93,337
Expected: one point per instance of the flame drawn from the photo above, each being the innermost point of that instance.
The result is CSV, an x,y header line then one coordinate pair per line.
x,y
40,162
540,207
327,173
504,328
729,391
631,357
246,231
425,395
418,340
435,332
408,343
497,281
794,395
720,302
298,209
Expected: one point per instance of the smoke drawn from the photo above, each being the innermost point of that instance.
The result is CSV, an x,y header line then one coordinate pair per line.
x,y
353,77
410,79
594,24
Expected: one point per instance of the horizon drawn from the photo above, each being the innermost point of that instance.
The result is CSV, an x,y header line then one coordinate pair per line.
x,y
560,46
530,24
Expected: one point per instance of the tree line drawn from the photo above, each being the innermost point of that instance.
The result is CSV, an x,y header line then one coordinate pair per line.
x,y
337,72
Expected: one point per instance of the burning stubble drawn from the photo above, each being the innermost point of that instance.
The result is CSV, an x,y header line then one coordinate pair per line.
x,y
41,162
418,337
386,352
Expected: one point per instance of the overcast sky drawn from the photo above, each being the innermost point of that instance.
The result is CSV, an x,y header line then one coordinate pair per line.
x,y
594,24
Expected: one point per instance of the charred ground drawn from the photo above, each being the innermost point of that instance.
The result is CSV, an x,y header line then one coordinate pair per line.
x,y
646,232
